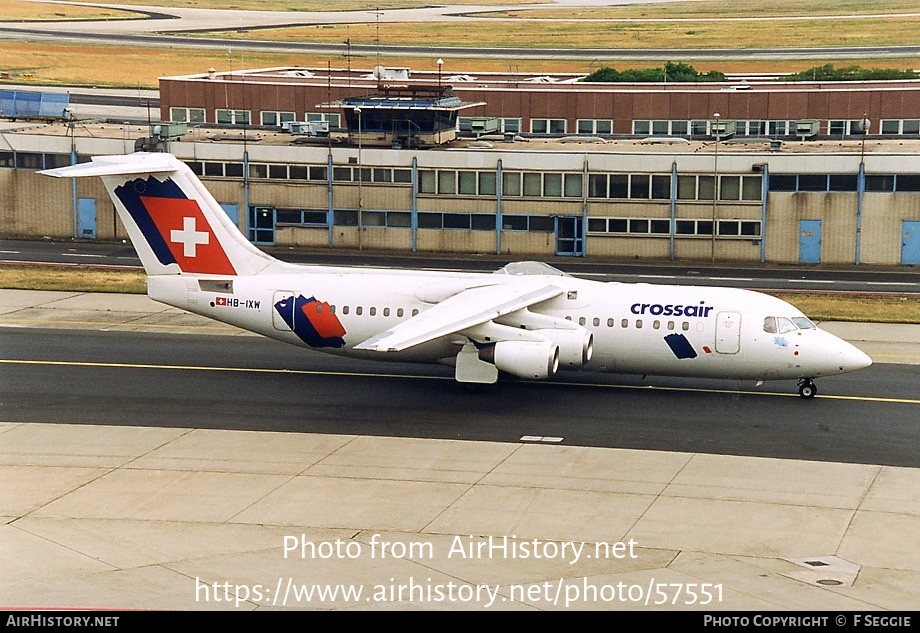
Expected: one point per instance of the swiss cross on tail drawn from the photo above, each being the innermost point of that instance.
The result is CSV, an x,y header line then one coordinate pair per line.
x,y
189,238
175,227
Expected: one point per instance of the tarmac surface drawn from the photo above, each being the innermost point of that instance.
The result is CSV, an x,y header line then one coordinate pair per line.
x,y
120,517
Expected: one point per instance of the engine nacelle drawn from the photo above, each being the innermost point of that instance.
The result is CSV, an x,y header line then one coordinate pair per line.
x,y
575,346
524,359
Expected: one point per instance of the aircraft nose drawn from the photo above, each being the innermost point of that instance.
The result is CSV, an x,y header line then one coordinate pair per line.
x,y
854,358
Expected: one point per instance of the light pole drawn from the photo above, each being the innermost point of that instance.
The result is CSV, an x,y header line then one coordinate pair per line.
x,y
360,180
715,185
440,63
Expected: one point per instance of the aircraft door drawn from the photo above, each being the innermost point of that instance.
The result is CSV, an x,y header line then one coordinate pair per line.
x,y
283,300
728,332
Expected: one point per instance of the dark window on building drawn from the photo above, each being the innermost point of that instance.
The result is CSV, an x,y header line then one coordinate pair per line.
x,y
456,221
544,223
783,182
662,227
908,182
213,169
842,182
661,187
879,183
233,170
56,160
617,225
298,172
345,218
639,186
619,186
686,227
597,186
812,182
514,223
483,222
288,216
429,220
638,226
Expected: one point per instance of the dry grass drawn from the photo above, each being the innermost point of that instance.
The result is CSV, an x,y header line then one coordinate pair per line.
x,y
863,308
820,307
610,34
88,65
15,10
72,278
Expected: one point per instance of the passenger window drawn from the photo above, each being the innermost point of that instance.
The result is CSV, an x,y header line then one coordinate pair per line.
x,y
625,323
344,309
597,321
769,325
670,325
386,312
373,311
319,308
685,326
332,309
656,324
609,322
359,310
399,312
415,312
581,320
638,324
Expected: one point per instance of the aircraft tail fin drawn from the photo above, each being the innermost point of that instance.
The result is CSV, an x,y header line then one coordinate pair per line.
x,y
173,221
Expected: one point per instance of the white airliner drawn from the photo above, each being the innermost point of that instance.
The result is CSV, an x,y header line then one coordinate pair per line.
x,y
527,319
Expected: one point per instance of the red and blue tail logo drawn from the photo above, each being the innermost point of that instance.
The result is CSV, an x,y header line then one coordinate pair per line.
x,y
174,226
312,321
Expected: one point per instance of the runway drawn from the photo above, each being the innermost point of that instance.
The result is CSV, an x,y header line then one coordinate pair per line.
x,y
283,482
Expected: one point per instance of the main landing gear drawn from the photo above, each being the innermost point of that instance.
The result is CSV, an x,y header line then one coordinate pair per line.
x,y
807,388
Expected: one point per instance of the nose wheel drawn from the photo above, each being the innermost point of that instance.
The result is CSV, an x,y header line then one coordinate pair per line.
x,y
807,388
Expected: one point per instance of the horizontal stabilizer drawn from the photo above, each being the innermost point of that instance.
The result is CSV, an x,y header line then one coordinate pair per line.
x,y
118,166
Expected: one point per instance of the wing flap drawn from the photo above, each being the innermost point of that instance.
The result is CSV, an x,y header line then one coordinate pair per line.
x,y
463,310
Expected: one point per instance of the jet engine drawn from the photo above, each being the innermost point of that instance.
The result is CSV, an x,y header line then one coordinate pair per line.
x,y
575,346
524,359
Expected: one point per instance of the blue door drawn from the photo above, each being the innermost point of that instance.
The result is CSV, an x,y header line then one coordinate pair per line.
x,y
262,225
810,241
570,235
233,212
910,242
86,218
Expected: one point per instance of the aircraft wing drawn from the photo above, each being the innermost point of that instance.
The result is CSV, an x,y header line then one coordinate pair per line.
x,y
463,310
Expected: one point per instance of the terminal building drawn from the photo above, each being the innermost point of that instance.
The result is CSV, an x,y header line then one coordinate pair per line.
x,y
721,189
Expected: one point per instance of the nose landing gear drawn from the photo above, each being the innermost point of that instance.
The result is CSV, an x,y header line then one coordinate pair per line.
x,y
807,388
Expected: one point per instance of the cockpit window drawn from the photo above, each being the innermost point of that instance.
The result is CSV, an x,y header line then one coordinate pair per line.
x,y
785,325
782,325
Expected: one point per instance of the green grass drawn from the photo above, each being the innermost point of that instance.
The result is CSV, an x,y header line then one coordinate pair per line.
x,y
862,308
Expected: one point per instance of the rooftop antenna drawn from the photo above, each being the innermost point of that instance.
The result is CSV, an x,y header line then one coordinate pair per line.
x,y
377,12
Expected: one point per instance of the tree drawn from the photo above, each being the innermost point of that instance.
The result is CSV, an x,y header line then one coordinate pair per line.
x,y
671,71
